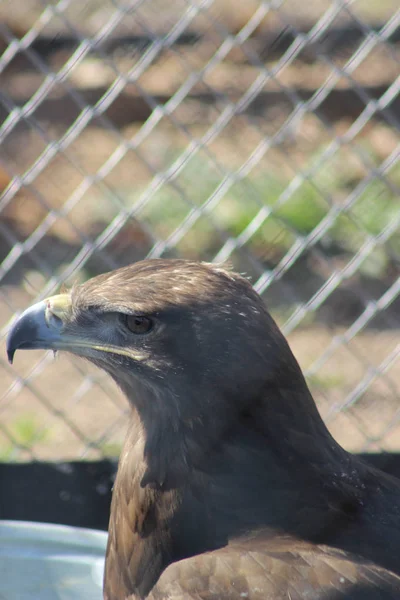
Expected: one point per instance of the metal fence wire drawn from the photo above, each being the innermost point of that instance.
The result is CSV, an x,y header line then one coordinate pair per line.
x,y
260,133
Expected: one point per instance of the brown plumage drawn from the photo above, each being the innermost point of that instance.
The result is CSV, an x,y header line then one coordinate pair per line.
x,y
229,484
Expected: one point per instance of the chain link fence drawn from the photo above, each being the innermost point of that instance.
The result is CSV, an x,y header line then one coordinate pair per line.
x,y
264,134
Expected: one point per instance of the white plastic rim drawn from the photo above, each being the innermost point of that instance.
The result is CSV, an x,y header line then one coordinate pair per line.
x,y
42,561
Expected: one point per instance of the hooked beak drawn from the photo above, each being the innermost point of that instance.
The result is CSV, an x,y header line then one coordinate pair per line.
x,y
40,326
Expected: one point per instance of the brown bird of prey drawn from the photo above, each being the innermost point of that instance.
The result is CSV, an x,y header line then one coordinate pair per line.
x,y
229,484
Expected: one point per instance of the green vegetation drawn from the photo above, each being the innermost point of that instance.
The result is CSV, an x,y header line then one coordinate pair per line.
x,y
110,449
284,210
325,382
267,212
25,431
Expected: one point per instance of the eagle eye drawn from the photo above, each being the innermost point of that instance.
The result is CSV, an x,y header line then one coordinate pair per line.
x,y
137,324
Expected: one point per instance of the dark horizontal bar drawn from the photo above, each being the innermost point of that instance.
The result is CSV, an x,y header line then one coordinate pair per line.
x,y
78,493
130,108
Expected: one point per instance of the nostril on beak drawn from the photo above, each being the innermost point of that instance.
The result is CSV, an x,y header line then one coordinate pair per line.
x,y
57,310
57,321
52,320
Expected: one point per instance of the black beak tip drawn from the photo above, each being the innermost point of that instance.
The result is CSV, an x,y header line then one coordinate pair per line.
x,y
10,346
28,331
12,343
10,355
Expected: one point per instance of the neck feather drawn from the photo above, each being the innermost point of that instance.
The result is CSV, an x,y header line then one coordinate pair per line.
x,y
183,488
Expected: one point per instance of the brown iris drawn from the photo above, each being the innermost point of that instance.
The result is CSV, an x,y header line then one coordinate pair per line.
x,y
138,324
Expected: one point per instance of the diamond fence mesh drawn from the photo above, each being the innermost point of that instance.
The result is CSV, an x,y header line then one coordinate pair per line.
x,y
265,135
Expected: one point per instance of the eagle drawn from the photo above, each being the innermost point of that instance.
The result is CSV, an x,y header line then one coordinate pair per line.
x,y
229,485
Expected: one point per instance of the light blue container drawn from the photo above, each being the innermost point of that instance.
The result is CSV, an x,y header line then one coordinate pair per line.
x,y
50,562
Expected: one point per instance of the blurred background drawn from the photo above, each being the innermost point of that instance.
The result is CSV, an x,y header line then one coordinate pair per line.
x,y
265,134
